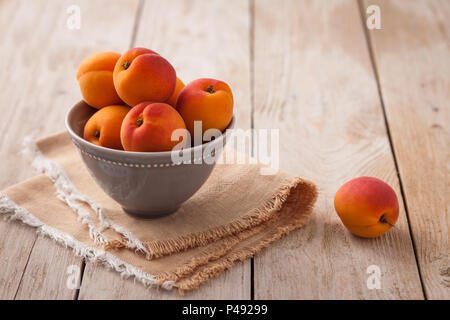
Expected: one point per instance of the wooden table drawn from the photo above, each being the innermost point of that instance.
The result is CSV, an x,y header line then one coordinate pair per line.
x,y
348,102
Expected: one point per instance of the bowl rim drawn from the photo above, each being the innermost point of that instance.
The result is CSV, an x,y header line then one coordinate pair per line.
x,y
156,154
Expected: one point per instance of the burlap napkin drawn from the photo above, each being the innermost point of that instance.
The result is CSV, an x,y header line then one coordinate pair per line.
x,y
234,215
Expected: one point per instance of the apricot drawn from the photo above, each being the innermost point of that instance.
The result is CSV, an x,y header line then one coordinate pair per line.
x,y
207,100
367,206
142,75
178,87
148,127
95,77
103,127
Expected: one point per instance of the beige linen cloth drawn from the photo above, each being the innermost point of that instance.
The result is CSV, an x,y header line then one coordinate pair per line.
x,y
234,215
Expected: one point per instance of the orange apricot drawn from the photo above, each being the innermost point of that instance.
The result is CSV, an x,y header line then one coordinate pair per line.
x,y
142,75
367,206
149,126
207,100
178,87
95,77
103,127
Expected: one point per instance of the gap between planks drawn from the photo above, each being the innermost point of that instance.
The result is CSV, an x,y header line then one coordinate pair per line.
x,y
391,143
25,268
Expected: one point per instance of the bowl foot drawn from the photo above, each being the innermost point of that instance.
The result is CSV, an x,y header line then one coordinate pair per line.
x,y
150,215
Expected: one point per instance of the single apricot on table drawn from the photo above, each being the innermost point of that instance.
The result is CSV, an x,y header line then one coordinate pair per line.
x,y
142,75
148,127
207,100
95,77
367,206
173,99
103,127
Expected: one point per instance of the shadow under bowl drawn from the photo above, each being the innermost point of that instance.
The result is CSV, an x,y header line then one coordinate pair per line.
x,y
146,184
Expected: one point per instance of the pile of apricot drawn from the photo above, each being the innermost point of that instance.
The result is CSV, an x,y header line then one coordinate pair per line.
x,y
141,102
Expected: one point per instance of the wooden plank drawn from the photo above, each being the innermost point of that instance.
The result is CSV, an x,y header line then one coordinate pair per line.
x,y
201,40
39,59
100,283
47,272
314,81
412,54
16,241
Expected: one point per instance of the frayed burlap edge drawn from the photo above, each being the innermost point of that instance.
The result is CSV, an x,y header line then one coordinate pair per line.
x,y
11,211
219,257
160,248
67,193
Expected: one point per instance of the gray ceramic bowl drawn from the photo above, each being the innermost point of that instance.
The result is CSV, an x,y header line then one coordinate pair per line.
x,y
145,184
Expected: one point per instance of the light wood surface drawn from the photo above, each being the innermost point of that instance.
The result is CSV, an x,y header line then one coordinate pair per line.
x,y
47,272
39,58
307,68
322,95
414,80
16,243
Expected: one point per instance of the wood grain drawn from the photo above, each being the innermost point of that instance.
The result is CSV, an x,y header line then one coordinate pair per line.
x,y
314,82
16,243
100,283
412,54
16,240
39,57
47,273
201,40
